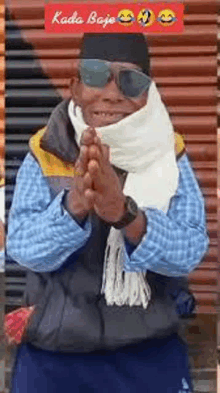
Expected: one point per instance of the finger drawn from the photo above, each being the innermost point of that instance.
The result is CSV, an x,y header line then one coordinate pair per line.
x,y
94,152
106,152
87,137
97,175
94,168
104,148
90,197
87,181
82,162
93,197
97,141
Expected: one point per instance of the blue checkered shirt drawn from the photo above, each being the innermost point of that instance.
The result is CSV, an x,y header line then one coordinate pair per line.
x,y
42,234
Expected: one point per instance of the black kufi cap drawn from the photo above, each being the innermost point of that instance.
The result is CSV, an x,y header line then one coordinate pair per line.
x,y
130,48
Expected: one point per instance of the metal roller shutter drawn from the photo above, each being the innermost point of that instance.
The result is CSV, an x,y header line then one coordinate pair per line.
x,y
2,153
2,84
184,66
25,113
218,113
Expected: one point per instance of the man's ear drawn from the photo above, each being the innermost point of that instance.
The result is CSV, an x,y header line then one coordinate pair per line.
x,y
74,89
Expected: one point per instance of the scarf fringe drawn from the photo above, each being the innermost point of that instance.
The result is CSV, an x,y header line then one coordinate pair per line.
x,y
119,287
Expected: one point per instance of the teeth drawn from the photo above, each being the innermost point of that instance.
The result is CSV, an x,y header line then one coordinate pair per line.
x,y
104,114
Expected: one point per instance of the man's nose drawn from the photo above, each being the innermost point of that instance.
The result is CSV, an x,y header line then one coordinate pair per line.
x,y
111,92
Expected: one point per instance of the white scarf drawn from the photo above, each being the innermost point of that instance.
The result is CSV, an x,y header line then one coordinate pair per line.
x,y
143,145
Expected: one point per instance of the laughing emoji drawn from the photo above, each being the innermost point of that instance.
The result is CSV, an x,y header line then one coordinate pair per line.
x,y
166,17
125,17
146,17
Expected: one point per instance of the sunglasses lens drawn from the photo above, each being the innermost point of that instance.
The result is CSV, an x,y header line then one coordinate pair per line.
x,y
94,73
133,83
97,73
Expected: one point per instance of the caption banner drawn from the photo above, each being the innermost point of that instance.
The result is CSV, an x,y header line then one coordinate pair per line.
x,y
114,18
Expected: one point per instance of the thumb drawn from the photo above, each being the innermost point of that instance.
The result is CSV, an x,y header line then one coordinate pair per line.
x,y
93,197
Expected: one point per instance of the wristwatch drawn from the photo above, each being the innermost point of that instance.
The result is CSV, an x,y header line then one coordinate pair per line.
x,y
131,212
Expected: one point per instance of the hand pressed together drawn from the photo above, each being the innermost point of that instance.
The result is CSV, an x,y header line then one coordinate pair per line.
x,y
97,185
75,201
97,188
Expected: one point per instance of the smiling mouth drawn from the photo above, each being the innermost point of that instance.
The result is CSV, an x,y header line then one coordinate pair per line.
x,y
125,21
167,20
108,117
109,114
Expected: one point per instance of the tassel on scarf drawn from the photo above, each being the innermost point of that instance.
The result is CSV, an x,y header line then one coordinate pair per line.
x,y
122,288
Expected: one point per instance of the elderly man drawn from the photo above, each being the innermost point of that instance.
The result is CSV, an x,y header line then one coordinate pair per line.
x,y
108,217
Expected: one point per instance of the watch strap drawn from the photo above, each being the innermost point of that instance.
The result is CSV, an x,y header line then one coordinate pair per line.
x,y
131,212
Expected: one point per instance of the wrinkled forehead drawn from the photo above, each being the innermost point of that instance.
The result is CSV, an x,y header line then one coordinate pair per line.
x,y
120,48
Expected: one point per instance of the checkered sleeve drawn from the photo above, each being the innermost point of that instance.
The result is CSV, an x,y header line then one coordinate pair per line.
x,y
175,242
41,233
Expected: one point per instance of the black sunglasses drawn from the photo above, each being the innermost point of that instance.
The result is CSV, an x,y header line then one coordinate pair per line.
x,y
98,73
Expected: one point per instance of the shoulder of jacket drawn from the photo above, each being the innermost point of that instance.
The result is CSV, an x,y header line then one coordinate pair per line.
x,y
179,145
50,164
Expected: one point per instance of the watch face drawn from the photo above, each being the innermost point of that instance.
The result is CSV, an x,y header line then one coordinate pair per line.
x,y
132,206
